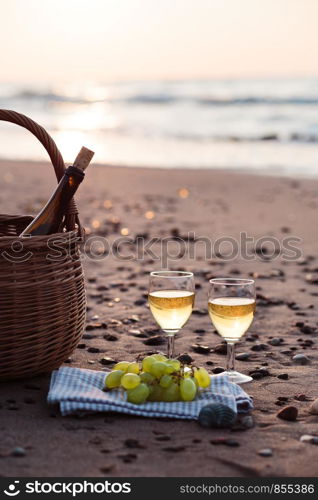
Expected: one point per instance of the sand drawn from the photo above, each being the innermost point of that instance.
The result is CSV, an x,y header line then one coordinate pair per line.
x,y
216,204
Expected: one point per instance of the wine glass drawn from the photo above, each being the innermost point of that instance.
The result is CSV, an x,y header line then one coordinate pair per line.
x,y
171,300
231,309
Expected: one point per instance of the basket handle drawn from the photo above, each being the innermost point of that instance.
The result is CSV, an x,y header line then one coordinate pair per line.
x,y
71,217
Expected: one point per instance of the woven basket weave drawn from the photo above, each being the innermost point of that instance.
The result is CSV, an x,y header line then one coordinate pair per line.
x,y
42,293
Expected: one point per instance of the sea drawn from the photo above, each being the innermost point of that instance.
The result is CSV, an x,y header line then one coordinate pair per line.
x,y
254,125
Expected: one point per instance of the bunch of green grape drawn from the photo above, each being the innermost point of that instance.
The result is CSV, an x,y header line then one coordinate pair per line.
x,y
157,378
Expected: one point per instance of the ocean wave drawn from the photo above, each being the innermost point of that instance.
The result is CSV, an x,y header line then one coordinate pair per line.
x,y
163,99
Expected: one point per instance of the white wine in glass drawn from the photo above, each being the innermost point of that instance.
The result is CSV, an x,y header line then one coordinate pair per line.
x,y
171,300
231,308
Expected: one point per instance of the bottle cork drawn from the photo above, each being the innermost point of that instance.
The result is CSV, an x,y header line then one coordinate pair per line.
x,y
83,158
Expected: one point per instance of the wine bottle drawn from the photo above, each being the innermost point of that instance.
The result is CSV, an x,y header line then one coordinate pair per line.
x,y
49,220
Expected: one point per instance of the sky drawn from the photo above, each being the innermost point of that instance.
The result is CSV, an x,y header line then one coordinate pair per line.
x,y
109,40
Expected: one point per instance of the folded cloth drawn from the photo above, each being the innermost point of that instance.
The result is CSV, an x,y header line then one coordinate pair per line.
x,y
79,390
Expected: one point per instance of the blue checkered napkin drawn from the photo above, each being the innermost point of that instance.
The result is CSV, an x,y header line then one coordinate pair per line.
x,y
78,391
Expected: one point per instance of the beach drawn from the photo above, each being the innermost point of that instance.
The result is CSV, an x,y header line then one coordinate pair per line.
x,y
214,207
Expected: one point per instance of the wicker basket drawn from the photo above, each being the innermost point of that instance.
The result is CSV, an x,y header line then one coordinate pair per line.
x,y
42,294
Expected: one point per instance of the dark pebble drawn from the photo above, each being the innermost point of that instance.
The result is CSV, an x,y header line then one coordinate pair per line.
x,y
128,458
218,369
220,348
107,468
289,413
200,331
283,376
140,302
133,443
156,340
107,361
81,346
18,452
275,341
185,358
307,330
201,349
93,349
225,441
242,356
110,337
259,347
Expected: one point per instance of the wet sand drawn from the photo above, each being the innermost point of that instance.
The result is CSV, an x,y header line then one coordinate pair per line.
x,y
117,202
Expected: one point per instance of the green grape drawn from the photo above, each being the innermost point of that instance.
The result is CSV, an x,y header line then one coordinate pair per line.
x,y
175,363
188,389
139,394
155,393
113,379
159,357
147,363
171,393
202,377
146,377
166,381
130,380
122,365
158,369
133,368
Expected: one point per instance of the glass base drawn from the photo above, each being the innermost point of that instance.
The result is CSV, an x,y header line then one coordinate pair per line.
x,y
238,378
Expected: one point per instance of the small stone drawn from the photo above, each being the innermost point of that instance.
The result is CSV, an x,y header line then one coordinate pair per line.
x,y
94,326
301,359
301,397
81,346
314,407
218,369
133,443
201,349
107,468
242,356
220,349
225,441
286,351
289,413
259,347
140,302
275,341
307,329
18,452
110,337
259,373
185,358
156,340
107,361
266,452
283,376
93,350
308,438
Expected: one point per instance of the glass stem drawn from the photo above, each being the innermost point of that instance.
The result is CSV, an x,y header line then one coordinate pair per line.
x,y
170,346
230,365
